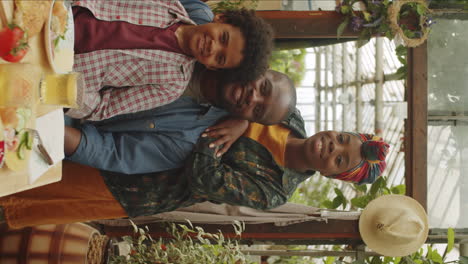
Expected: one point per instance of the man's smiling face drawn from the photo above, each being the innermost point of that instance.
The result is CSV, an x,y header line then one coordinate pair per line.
x,y
265,100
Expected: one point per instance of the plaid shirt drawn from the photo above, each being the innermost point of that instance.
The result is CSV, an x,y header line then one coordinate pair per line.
x,y
246,175
151,77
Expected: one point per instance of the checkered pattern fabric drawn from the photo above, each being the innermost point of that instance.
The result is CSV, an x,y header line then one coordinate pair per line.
x,y
127,81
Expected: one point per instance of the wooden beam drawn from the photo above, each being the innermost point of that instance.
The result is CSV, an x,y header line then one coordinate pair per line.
x,y
416,125
305,24
312,232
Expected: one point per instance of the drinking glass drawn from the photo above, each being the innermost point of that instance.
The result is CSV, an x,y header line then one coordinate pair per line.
x,y
60,89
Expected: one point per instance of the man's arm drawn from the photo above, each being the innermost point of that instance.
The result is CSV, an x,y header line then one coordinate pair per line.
x,y
72,140
129,153
234,179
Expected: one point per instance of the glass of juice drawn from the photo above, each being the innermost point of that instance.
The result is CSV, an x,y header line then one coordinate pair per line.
x,y
60,89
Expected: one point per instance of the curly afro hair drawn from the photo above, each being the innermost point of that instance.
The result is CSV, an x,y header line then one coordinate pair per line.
x,y
258,37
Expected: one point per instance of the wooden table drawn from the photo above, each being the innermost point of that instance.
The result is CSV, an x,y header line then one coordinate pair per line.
x,y
12,182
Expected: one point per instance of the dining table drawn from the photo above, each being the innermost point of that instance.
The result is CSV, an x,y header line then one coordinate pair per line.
x,y
17,181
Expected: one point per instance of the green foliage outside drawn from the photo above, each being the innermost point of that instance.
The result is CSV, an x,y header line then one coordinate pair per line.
x,y
312,193
402,52
364,194
289,62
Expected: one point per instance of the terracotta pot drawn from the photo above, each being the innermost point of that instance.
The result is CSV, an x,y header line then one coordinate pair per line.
x,y
48,244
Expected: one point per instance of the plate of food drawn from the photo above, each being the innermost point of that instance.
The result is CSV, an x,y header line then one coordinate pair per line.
x,y
25,19
59,37
17,140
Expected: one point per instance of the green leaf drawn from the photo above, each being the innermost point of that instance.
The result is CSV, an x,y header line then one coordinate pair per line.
x,y
409,33
342,27
327,204
387,260
399,189
342,198
401,73
463,260
389,35
401,50
360,202
329,260
345,9
450,239
376,186
402,59
376,260
367,16
397,260
421,10
407,260
436,257
361,188
429,251
339,192
337,202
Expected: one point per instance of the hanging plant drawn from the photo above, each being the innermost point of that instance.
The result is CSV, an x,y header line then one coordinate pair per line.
x,y
407,20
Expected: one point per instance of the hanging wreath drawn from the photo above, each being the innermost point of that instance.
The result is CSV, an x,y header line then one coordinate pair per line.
x,y
407,20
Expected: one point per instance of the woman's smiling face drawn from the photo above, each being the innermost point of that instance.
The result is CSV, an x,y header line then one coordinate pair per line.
x,y
331,152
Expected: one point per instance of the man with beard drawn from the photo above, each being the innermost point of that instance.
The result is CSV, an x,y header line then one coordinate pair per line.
x,y
162,138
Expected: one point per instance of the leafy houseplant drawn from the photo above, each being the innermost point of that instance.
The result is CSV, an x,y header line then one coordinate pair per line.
x,y
188,245
405,19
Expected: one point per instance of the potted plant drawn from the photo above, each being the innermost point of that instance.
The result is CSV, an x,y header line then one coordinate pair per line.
x,y
188,244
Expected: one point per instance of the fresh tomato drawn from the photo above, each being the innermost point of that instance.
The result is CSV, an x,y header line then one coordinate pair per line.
x,y
15,56
13,43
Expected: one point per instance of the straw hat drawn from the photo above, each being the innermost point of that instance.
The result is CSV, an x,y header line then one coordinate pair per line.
x,y
394,225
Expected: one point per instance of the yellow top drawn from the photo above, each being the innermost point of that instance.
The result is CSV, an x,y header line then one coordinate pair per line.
x,y
272,137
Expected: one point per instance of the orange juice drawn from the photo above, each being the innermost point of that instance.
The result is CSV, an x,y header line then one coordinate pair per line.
x,y
60,89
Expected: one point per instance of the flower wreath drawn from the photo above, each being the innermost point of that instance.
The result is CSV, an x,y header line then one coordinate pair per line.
x,y
407,20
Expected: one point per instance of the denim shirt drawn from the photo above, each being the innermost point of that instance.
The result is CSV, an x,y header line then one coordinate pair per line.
x,y
198,11
150,141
